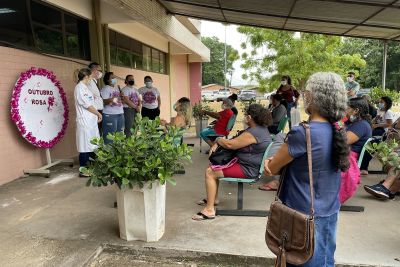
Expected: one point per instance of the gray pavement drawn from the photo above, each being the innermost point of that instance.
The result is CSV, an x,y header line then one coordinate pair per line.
x,y
61,222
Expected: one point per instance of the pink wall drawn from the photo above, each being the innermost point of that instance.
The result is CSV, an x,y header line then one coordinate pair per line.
x,y
195,81
16,153
160,81
180,77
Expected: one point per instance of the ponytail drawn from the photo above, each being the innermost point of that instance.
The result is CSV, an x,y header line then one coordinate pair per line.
x,y
340,148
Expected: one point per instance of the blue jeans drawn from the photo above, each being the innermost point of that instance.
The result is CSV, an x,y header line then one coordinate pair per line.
x,y
205,133
112,123
325,242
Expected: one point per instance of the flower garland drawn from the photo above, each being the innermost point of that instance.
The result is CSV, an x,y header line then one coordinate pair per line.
x,y
16,118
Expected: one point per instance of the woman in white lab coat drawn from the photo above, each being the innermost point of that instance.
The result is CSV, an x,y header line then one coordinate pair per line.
x,y
87,118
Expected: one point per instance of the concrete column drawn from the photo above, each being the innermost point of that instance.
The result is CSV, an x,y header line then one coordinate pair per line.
x,y
195,81
99,32
385,48
106,40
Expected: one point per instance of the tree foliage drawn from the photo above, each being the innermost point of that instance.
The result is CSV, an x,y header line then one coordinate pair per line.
x,y
372,52
276,53
213,71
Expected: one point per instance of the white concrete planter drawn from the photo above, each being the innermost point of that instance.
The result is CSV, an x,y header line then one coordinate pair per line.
x,y
141,212
201,125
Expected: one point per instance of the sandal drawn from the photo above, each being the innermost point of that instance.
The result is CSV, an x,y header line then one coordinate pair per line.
x,y
203,202
202,217
269,186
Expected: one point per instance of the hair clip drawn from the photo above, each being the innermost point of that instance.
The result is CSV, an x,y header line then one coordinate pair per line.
x,y
338,125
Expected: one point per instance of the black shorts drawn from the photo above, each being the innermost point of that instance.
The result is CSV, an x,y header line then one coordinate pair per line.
x,y
150,113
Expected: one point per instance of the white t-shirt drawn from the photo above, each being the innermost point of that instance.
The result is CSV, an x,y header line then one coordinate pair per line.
x,y
83,99
149,97
98,101
113,108
384,116
132,93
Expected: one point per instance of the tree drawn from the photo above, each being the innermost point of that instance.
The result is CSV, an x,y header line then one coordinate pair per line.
x,y
372,52
213,71
276,53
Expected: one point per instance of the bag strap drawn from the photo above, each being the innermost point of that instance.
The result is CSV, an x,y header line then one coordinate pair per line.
x,y
310,169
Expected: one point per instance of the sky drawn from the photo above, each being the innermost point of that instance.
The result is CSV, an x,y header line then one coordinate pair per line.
x,y
233,38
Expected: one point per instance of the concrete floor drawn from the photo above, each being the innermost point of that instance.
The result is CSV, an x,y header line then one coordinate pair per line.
x,y
61,222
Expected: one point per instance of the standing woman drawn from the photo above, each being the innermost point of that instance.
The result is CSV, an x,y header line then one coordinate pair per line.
x,y
87,118
289,94
151,99
132,103
326,102
113,111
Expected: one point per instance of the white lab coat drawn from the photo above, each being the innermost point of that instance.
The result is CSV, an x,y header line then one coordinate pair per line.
x,y
98,101
86,122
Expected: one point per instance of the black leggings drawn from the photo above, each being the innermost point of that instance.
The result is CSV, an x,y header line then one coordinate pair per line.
x,y
84,158
150,113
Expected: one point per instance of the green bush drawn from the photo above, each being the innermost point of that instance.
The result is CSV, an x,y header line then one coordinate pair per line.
x,y
377,92
198,107
150,154
386,153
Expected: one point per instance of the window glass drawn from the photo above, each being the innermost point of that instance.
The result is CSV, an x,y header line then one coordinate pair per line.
x,y
146,58
124,57
17,33
137,59
71,24
113,55
48,40
155,59
46,15
73,46
83,38
162,63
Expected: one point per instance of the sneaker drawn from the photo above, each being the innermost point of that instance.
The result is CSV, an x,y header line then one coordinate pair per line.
x,y
82,175
378,191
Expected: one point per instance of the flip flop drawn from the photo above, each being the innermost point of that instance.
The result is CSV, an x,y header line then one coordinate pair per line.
x,y
267,187
203,202
202,217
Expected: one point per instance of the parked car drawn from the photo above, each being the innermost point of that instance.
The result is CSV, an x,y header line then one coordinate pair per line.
x,y
208,96
363,91
268,95
247,95
223,93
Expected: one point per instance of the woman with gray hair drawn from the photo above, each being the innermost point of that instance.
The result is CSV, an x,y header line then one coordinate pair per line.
x,y
220,125
326,103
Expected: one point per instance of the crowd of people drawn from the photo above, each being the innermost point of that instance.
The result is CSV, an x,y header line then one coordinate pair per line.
x,y
340,123
110,109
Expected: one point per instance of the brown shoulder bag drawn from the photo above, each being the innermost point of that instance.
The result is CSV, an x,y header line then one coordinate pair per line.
x,y
290,233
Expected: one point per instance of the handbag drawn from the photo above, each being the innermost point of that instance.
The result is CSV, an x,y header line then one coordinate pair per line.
x,y
222,156
290,233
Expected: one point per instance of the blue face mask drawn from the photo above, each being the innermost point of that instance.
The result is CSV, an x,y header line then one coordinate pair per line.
x,y
113,81
381,105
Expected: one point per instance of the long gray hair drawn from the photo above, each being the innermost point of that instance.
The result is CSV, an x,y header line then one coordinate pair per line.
x,y
329,99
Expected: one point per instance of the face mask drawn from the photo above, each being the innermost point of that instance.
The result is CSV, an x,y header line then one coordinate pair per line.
x,y
283,83
113,81
381,105
131,82
223,106
174,107
148,84
99,75
352,118
350,79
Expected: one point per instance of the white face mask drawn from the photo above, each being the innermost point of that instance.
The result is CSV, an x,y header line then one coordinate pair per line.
x,y
350,79
352,118
283,82
113,81
99,75
148,84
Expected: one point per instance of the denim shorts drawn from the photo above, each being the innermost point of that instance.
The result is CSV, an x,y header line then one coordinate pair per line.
x,y
325,242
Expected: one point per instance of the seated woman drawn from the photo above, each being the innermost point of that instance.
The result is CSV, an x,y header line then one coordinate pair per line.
x,y
380,125
250,146
358,132
183,116
278,109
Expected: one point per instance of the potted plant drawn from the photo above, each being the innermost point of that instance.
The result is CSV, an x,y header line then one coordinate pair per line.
x,y
201,120
139,166
387,153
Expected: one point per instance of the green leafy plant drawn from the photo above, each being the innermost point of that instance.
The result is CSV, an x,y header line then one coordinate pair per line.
x,y
386,153
150,154
198,107
377,92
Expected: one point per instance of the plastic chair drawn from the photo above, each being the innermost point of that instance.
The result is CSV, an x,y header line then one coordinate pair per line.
x,y
282,124
239,211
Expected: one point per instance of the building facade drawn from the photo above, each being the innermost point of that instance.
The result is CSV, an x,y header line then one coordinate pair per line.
x,y
126,37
